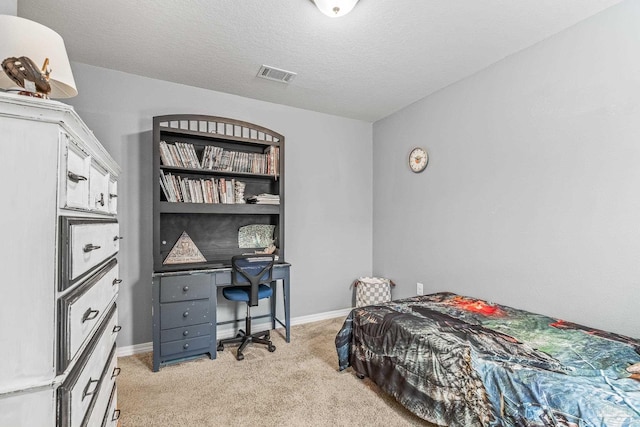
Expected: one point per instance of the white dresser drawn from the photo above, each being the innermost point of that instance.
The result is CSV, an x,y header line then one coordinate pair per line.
x,y
60,240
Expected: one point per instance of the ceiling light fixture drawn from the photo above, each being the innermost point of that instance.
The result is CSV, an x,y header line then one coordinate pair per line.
x,y
335,8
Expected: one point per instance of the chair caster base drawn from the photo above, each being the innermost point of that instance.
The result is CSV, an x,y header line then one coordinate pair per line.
x,y
239,356
220,347
271,348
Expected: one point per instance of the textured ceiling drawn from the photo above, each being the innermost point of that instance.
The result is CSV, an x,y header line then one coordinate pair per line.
x,y
380,58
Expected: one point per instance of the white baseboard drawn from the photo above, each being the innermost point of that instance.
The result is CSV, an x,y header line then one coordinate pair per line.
x,y
228,331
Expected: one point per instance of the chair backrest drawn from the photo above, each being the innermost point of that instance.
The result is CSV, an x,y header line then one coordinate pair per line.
x,y
252,270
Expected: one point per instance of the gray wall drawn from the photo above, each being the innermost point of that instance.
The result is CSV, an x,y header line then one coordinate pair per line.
x,y
532,194
9,7
328,220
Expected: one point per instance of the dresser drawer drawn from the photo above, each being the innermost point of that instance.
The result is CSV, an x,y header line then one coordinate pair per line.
x,y
78,393
112,415
113,196
184,346
86,243
187,287
82,310
76,176
98,188
177,314
103,397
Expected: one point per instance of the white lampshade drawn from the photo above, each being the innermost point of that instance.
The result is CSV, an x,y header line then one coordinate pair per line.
x,y
335,8
22,37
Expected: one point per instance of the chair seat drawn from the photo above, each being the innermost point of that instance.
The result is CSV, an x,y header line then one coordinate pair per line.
x,y
241,293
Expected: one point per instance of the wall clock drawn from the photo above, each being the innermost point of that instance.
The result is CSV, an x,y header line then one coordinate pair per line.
x,y
418,159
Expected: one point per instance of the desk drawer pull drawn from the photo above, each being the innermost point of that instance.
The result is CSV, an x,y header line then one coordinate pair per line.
x,y
116,415
185,314
90,247
185,333
90,314
75,177
117,329
186,346
115,373
185,289
86,391
117,281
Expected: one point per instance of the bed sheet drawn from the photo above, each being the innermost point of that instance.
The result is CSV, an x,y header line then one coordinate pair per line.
x,y
461,361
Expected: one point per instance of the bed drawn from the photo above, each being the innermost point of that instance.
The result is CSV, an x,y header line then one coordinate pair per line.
x,y
460,361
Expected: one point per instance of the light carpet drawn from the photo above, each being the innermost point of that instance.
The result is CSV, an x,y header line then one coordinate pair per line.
x,y
297,385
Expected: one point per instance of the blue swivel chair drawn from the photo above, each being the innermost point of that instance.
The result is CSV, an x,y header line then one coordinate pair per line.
x,y
250,277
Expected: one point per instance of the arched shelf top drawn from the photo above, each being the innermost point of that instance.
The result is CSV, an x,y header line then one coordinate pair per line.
x,y
220,127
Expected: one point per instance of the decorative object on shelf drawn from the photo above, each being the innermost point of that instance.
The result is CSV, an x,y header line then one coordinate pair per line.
x,y
184,251
31,43
239,192
335,8
26,74
418,159
256,236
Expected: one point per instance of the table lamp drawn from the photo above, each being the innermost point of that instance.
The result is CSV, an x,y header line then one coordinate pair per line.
x,y
22,38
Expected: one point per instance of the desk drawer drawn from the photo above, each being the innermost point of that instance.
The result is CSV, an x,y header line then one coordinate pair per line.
x,y
184,346
86,244
82,309
186,332
77,393
177,314
187,287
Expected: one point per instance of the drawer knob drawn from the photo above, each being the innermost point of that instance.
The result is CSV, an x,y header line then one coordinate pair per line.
x,y
86,391
90,314
117,329
115,373
90,247
185,333
116,415
100,201
185,314
117,238
186,346
117,281
75,177
112,195
185,289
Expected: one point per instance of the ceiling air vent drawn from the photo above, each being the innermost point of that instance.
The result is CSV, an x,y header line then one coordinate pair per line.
x,y
276,74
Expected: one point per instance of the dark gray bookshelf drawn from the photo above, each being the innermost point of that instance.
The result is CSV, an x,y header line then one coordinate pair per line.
x,y
213,227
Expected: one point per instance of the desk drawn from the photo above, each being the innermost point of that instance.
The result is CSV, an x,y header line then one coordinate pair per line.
x,y
184,311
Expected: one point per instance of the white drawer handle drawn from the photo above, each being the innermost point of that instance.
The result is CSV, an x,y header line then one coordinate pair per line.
x,y
90,314
116,415
76,178
117,329
86,391
116,238
100,201
89,247
112,195
116,372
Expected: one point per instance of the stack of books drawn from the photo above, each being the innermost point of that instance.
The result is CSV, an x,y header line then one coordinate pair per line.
x,y
264,199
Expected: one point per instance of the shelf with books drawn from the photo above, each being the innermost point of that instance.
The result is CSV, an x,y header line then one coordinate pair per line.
x,y
206,169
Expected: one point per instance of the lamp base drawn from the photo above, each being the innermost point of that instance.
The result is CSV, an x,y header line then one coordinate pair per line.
x,y
23,92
